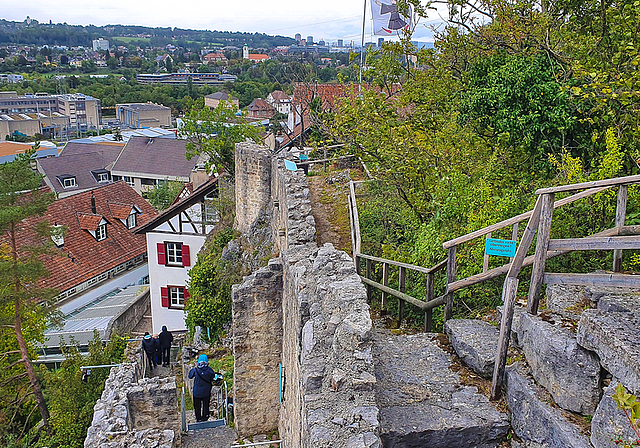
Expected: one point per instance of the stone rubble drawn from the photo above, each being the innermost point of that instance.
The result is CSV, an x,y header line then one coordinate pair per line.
x,y
609,422
476,343
570,373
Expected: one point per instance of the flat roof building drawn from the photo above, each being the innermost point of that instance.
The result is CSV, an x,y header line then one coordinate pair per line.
x,y
143,115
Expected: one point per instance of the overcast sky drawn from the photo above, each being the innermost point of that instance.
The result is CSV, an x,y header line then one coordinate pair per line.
x,y
328,19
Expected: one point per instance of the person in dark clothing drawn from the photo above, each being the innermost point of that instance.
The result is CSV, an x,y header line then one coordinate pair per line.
x,y
204,377
149,347
165,339
156,342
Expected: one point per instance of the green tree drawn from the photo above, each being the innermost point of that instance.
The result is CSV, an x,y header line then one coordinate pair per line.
x,y
213,133
24,304
163,194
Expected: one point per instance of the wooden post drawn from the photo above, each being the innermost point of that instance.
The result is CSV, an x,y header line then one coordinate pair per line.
x,y
451,277
367,264
428,315
509,292
621,211
385,282
540,257
401,287
485,264
357,258
514,237
509,296
325,162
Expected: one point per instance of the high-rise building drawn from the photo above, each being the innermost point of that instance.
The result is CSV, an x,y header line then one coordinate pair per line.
x,y
100,44
340,43
298,37
321,43
380,41
309,40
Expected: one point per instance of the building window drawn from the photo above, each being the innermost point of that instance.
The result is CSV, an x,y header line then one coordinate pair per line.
x,y
103,177
129,181
176,296
174,254
131,221
69,182
101,232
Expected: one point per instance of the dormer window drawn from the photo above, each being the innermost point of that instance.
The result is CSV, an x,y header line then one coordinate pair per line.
x,y
131,220
101,176
101,232
68,181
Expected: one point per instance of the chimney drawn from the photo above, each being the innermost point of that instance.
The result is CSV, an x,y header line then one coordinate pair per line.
x,y
93,204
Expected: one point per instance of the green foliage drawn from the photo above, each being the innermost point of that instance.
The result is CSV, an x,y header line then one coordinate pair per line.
x,y
210,284
70,399
631,407
213,133
163,194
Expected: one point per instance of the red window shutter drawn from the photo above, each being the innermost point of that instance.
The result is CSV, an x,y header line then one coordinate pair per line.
x,y
162,258
187,296
164,295
186,255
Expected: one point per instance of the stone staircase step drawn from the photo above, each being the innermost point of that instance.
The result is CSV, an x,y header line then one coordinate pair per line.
x,y
570,373
533,419
205,425
422,401
610,423
614,336
476,343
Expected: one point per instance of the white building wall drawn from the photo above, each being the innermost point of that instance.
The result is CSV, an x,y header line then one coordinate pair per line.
x,y
161,276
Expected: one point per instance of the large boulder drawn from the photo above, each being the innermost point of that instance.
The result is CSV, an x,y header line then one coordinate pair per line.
x,y
570,373
423,402
533,419
619,302
615,337
609,423
475,342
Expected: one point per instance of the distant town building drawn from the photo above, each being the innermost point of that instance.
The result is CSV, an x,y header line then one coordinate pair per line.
x,y
143,115
213,99
9,150
10,78
197,79
298,37
214,57
100,44
259,108
83,111
309,40
280,101
321,43
255,58
340,43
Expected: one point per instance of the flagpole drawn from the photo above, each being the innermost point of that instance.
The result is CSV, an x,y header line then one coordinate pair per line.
x,y
364,18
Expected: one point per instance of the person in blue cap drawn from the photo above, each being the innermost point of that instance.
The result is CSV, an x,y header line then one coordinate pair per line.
x,y
149,347
204,377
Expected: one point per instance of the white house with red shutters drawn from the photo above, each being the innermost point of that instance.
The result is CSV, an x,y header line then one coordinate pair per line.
x,y
174,238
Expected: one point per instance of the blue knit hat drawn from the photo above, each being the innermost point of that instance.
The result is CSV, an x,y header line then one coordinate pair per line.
x,y
203,358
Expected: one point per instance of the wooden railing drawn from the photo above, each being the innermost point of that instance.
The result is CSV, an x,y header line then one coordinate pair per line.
x,y
618,238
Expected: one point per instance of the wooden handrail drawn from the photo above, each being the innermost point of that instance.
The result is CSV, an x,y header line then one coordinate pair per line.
x,y
592,184
519,218
413,267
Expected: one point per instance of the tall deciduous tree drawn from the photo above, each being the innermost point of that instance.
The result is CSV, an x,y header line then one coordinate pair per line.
x,y
23,303
214,133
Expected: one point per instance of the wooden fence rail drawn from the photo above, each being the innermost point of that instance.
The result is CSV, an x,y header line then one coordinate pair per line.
x,y
619,238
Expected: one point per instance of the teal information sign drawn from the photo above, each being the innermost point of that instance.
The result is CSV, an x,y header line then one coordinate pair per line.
x,y
291,166
304,157
501,248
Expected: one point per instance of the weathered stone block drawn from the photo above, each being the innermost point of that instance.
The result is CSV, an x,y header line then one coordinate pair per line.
x,y
619,303
570,373
568,300
422,402
475,342
533,419
614,336
609,423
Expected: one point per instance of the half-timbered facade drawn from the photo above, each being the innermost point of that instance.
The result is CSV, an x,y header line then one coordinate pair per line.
x,y
174,239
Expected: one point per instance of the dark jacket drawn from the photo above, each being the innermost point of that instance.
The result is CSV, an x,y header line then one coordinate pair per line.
x,y
204,376
165,338
149,345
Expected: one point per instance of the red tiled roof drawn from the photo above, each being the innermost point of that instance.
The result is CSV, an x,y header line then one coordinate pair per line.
x,y
89,221
258,57
82,257
119,210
